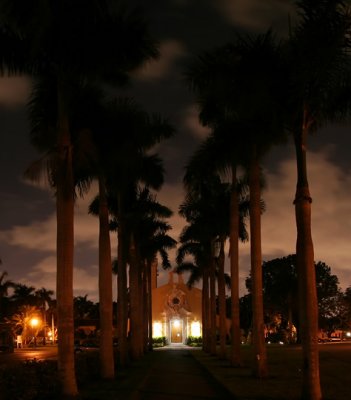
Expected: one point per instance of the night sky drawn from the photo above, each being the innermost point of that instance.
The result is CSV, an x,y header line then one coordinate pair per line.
x,y
184,29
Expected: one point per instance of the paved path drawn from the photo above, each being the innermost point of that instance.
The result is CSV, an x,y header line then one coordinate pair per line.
x,y
177,375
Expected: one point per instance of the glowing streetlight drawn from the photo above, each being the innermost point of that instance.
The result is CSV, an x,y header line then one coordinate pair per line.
x,y
34,323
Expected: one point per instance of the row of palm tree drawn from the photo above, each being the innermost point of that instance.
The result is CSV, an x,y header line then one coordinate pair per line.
x,y
13,295
70,49
253,93
206,209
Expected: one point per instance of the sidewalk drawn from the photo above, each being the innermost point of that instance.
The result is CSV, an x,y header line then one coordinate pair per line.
x,y
174,374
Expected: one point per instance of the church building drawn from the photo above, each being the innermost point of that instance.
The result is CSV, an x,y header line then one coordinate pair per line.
x,y
176,310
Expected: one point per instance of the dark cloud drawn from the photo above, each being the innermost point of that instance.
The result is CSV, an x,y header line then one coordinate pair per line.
x,y
184,30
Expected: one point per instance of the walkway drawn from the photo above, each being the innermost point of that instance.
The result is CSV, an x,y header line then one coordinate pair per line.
x,y
174,374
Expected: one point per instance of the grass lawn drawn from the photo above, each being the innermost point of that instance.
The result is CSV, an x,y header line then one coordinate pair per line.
x,y
284,381
35,380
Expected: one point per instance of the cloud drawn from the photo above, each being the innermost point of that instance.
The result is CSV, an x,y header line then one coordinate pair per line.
x,y
256,15
85,281
14,91
330,188
41,235
158,69
191,121
43,274
172,196
331,227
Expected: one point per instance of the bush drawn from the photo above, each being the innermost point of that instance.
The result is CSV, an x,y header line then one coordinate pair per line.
x,y
159,341
87,365
194,341
30,380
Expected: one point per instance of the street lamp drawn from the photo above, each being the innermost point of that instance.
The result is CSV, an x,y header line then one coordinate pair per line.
x,y
34,323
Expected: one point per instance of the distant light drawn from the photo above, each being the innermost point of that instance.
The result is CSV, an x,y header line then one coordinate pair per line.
x,y
281,342
348,334
157,329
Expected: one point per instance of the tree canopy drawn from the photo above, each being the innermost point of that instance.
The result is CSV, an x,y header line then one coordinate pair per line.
x,y
280,287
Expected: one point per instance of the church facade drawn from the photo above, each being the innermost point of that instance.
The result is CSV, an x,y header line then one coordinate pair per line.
x,y
176,310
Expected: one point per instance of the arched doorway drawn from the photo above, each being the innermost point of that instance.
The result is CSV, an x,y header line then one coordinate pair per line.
x,y
176,330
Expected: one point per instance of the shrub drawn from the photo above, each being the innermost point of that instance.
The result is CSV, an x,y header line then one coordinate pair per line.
x,y
30,380
195,341
159,341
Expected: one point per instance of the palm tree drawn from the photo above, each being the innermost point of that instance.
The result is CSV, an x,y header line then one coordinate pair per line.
x,y
238,92
44,297
160,244
5,285
194,243
147,230
207,205
70,43
93,155
83,307
23,295
21,322
88,108
150,238
141,248
206,159
317,94
119,168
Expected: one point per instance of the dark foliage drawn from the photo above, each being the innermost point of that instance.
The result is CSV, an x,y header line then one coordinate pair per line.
x,y
31,380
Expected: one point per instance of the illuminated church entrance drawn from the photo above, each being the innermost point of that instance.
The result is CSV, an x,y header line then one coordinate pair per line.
x,y
176,331
176,311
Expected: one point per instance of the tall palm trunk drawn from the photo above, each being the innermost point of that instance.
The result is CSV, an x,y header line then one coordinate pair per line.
x,y
105,288
205,311
141,308
235,356
145,305
213,313
259,348
134,293
44,321
122,306
222,304
308,305
149,302
65,245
